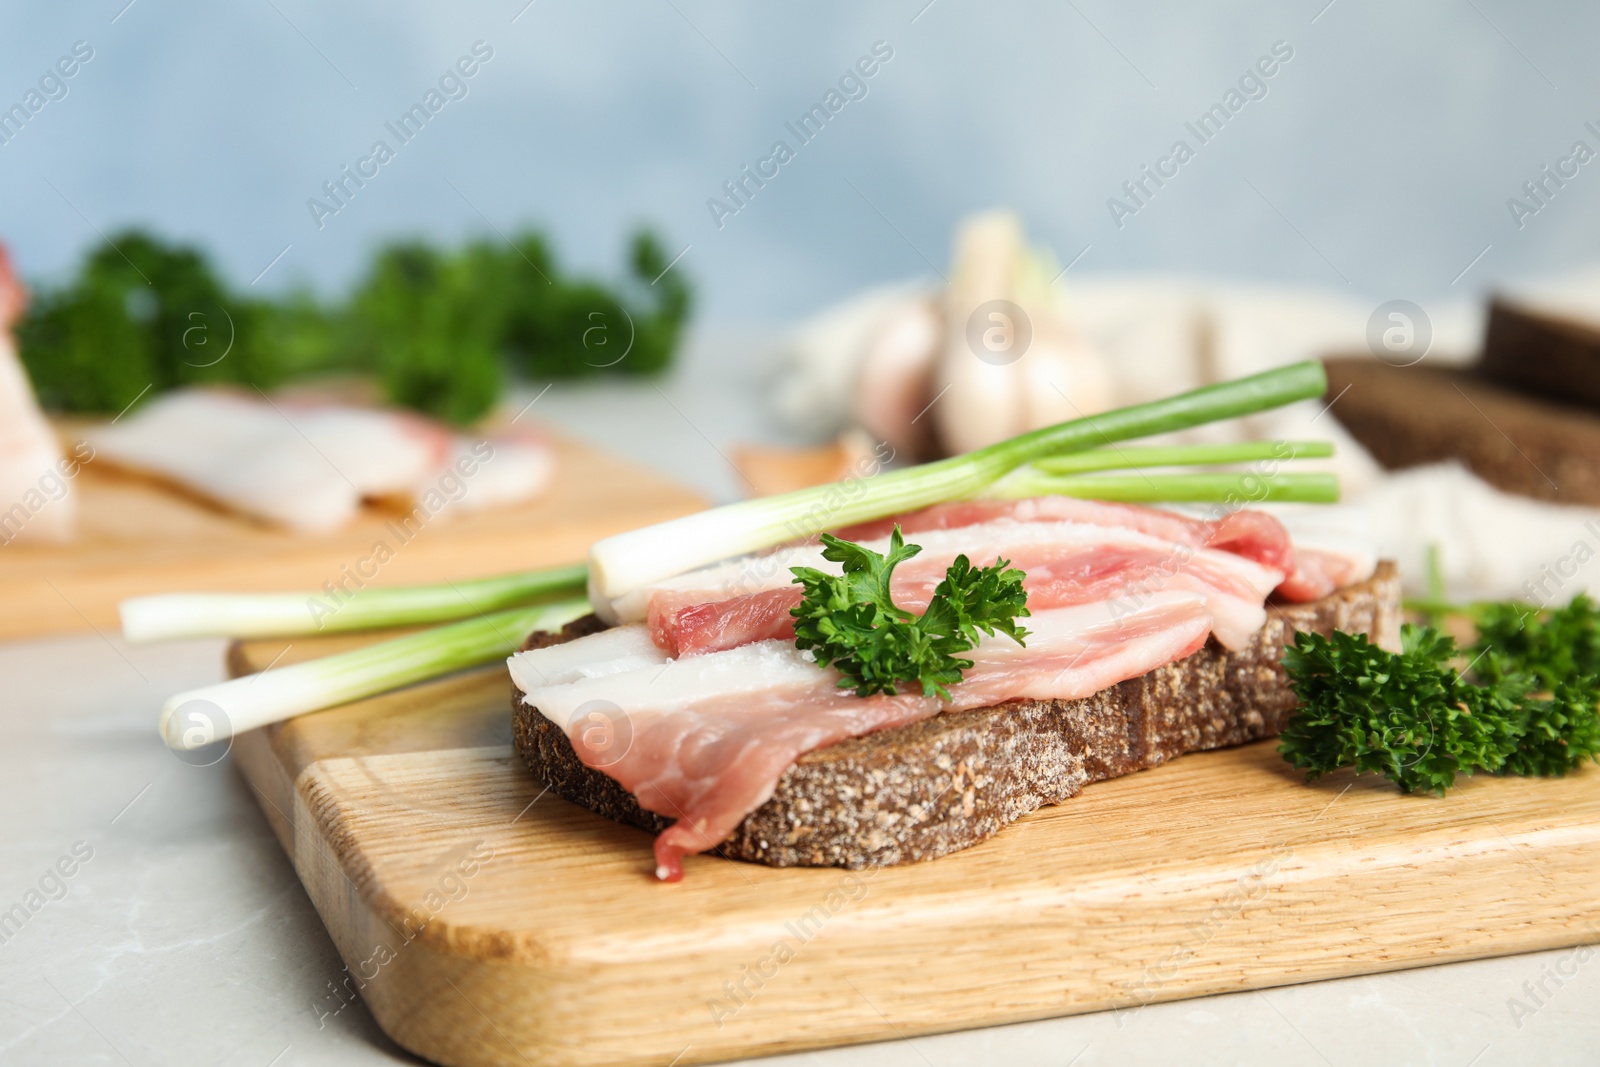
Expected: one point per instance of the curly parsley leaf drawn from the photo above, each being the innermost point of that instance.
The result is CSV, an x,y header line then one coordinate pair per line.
x,y
1395,715
1418,721
1555,647
1559,733
851,622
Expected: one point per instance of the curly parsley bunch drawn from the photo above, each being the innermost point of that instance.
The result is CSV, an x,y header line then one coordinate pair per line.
x,y
1529,709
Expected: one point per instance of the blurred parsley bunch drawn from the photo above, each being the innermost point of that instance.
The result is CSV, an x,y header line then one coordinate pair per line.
x,y
441,329
1525,703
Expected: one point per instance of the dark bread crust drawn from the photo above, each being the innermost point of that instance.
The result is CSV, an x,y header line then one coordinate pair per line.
x,y
921,791
1541,354
1408,416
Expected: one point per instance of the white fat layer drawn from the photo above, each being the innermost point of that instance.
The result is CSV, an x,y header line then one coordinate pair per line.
x,y
303,466
1235,622
623,648
1343,530
753,574
668,685
1061,672
751,668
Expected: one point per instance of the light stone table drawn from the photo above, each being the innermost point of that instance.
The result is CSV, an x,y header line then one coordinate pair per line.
x,y
185,937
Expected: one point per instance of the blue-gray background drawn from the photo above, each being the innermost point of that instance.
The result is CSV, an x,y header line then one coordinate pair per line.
x,y
1381,159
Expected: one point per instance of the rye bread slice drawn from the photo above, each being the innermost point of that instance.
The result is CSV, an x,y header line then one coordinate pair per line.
x,y
921,791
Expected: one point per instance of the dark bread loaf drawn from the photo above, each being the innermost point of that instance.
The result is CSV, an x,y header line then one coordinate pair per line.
x,y
1542,354
920,791
1406,416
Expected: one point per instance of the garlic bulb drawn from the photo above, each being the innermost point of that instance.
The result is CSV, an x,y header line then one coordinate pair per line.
x,y
1009,361
894,389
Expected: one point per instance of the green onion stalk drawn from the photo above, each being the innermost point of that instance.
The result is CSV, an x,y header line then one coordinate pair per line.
x,y
1173,488
1105,459
174,615
192,720
627,561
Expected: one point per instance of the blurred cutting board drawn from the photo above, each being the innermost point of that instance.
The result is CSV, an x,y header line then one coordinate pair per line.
x,y
486,922
138,536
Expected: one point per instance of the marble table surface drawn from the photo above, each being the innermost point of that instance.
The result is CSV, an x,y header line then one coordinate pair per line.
x,y
182,935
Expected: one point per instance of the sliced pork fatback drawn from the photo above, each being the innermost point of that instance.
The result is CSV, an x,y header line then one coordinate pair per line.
x,y
492,472
1334,547
971,524
307,467
1252,534
708,737
1065,563
1245,532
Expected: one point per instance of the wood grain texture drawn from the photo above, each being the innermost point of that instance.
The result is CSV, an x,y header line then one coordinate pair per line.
x,y
139,536
490,924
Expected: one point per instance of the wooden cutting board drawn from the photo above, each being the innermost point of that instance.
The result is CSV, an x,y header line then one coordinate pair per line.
x,y
138,535
486,922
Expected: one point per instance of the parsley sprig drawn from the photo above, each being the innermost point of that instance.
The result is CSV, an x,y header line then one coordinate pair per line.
x,y
851,622
1554,647
1528,707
